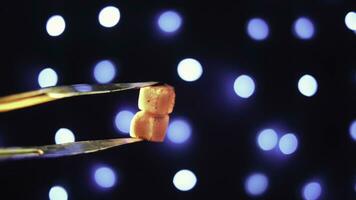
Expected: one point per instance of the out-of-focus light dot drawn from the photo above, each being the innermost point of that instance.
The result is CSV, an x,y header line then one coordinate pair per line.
x,y
55,25
57,193
109,16
169,21
64,135
288,144
184,180
307,85
267,139
105,177
256,184
189,69
123,120
312,191
47,78
304,28
352,130
179,131
244,86
350,20
257,29
104,71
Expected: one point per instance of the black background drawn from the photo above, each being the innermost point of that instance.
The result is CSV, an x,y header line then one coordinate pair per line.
x,y
222,150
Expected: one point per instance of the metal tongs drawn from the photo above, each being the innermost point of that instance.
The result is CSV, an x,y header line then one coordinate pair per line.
x,y
31,98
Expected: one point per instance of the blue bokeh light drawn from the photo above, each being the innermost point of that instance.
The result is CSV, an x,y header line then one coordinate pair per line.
x,y
311,191
104,71
352,130
64,135
307,85
256,184
303,28
350,20
244,86
169,21
123,121
55,25
257,29
105,177
267,139
47,78
189,69
57,193
109,16
184,180
179,131
288,143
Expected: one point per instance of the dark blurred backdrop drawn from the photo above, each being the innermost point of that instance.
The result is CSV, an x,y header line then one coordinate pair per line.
x,y
222,149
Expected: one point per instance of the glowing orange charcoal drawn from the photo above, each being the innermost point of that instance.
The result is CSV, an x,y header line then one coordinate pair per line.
x,y
149,126
157,99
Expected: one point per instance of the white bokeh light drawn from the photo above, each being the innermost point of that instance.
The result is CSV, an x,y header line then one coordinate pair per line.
x,y
288,143
57,193
352,130
350,20
169,21
55,25
123,121
109,16
244,86
303,28
256,184
179,131
189,69
257,29
311,191
64,135
184,180
267,139
105,177
307,85
47,78
104,71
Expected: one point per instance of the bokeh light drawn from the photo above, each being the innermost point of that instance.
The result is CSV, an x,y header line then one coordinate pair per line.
x,y
169,21
303,28
179,131
64,135
189,69
57,193
352,130
123,121
109,16
267,139
55,25
257,29
288,143
256,184
105,177
104,71
311,191
47,78
350,20
307,85
184,180
244,86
